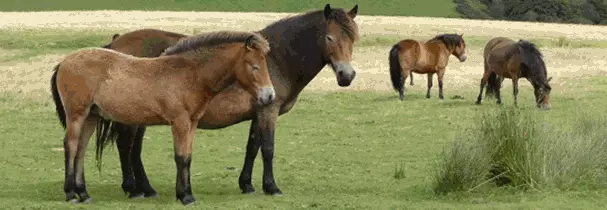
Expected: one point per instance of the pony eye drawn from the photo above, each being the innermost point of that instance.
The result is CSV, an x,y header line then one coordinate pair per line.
x,y
330,39
255,67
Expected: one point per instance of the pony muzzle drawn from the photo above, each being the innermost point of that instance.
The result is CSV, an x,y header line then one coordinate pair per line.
x,y
345,73
544,106
266,96
462,58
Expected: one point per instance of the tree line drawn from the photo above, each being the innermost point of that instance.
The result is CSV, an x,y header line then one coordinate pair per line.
x,y
561,11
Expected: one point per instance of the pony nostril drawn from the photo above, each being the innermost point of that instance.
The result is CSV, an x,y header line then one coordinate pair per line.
x,y
340,73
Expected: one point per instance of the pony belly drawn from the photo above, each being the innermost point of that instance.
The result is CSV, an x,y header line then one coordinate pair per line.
x,y
129,115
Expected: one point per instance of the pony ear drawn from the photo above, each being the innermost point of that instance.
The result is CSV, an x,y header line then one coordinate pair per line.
x,y
248,43
549,78
115,36
461,35
328,11
353,12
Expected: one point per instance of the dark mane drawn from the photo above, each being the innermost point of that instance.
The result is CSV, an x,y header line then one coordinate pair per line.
x,y
451,40
531,61
216,38
339,15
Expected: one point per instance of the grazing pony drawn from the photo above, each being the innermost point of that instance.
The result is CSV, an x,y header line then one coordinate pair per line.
x,y
506,58
302,46
95,87
430,57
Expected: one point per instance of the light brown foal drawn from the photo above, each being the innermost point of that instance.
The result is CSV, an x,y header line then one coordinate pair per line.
x,y
99,85
430,57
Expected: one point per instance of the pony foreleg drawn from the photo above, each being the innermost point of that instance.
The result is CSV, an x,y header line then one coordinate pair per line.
x,y
253,144
266,128
515,90
183,130
440,74
430,75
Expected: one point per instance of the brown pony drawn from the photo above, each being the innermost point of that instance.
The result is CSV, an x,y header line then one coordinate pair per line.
x,y
97,86
506,58
302,45
144,42
428,57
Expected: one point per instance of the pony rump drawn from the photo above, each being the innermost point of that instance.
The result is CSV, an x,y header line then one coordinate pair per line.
x,y
395,69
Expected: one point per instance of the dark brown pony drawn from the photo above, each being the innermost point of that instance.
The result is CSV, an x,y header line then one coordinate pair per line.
x,y
430,57
98,86
144,42
301,45
506,58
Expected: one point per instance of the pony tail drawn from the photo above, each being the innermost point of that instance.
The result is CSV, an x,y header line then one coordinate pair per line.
x,y
395,69
107,133
56,98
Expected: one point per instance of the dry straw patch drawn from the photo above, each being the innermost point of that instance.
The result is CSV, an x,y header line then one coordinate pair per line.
x,y
371,62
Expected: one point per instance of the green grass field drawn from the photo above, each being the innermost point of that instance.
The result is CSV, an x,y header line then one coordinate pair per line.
x,y
334,150
432,8
338,150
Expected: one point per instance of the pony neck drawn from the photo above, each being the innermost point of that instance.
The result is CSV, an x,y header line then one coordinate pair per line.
x,y
214,69
296,48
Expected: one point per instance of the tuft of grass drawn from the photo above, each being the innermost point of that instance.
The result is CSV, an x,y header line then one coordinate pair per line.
x,y
399,172
524,150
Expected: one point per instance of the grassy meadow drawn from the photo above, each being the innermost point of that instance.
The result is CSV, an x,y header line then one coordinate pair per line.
x,y
344,149
334,150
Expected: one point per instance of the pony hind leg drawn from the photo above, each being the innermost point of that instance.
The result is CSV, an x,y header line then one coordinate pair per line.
x,y
497,89
405,73
124,144
75,123
142,186
87,131
482,86
515,90
411,79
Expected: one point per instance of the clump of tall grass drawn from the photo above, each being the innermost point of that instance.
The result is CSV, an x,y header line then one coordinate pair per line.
x,y
526,151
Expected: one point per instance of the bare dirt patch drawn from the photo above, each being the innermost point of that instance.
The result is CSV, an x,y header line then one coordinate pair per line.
x,y
371,62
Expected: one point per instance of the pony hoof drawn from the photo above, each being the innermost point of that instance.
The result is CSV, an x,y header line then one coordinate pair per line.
x,y
274,191
73,201
152,195
135,196
247,189
187,200
86,201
